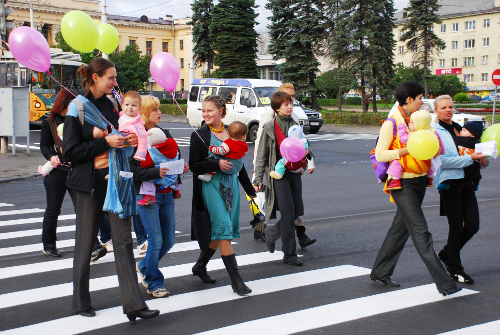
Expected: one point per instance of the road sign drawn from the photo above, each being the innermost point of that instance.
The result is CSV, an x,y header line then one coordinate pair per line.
x,y
496,77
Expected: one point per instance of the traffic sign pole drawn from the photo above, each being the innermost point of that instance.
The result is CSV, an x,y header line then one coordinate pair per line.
x,y
494,106
496,81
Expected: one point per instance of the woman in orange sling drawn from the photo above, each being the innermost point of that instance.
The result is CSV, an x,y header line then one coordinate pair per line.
x,y
409,219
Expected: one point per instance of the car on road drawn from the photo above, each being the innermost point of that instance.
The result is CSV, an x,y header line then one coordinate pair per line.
x,y
475,98
352,95
315,118
458,117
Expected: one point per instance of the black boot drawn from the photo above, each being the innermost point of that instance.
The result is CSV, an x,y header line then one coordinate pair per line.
x,y
304,240
236,282
200,267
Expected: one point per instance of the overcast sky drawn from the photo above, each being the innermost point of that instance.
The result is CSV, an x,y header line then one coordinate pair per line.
x,y
181,8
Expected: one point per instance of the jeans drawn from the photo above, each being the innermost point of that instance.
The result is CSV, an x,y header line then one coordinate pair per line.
x,y
55,189
462,211
409,221
140,231
159,221
105,230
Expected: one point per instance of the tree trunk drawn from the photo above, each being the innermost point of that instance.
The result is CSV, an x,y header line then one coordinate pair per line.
x,y
339,96
374,98
363,95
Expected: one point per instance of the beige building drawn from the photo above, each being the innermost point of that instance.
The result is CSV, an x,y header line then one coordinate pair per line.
x,y
151,35
471,31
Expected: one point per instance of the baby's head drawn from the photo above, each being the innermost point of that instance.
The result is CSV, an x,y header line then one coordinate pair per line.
x,y
131,103
156,136
238,131
297,132
472,129
420,120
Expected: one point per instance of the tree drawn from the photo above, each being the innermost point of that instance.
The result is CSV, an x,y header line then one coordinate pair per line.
x,y
234,39
87,57
328,83
132,69
404,73
200,20
419,34
296,35
445,84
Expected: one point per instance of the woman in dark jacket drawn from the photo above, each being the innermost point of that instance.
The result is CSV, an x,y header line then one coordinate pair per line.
x,y
87,148
55,181
224,222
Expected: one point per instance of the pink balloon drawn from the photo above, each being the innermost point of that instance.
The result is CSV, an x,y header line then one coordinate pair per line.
x,y
30,48
292,149
165,70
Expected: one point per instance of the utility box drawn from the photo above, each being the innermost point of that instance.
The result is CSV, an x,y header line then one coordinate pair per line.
x,y
14,113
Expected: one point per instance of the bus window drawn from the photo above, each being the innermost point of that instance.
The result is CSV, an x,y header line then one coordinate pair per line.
x,y
247,98
206,91
3,74
193,95
228,94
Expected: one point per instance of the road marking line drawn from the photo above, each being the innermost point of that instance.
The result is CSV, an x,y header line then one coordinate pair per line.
x,y
340,312
489,328
113,316
5,205
24,146
21,211
66,289
34,220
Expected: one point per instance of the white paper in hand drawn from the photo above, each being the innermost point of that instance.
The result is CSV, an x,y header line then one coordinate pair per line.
x,y
175,167
126,175
487,148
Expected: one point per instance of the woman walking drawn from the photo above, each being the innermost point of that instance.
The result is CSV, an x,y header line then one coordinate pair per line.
x,y
409,219
55,181
210,200
87,148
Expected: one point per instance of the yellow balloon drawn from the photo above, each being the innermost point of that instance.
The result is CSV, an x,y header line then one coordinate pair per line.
x,y
108,38
423,144
79,31
97,22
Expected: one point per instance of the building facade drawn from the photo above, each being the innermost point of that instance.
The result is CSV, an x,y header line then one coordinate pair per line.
x,y
151,35
471,31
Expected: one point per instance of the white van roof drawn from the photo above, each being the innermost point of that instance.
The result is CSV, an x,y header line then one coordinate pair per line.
x,y
237,82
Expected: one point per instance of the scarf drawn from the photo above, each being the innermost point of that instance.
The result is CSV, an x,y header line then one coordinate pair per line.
x,y
405,114
451,129
285,122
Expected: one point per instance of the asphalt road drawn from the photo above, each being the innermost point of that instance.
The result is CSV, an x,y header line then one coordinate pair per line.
x,y
345,209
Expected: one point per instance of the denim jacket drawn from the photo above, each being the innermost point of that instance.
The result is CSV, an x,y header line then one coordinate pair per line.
x,y
452,164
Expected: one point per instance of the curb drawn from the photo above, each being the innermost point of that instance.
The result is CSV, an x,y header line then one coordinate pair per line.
x,y
28,176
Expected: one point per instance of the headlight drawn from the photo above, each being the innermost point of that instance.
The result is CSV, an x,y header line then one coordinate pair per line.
x,y
38,105
306,122
320,115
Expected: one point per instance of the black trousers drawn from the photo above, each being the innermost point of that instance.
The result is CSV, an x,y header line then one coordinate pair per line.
x,y
460,205
89,217
55,189
409,221
288,192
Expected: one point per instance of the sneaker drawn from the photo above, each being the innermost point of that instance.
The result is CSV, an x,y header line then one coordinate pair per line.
x,y
109,246
177,194
143,277
147,200
143,247
159,292
98,253
52,252
205,177
462,277
393,184
429,182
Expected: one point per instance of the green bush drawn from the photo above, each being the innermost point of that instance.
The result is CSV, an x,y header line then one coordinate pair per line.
x,y
461,97
171,101
172,109
328,102
354,118
353,101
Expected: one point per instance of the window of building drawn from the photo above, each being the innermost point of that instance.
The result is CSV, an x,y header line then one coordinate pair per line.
x,y
45,31
441,48
401,50
470,25
469,78
401,63
149,48
131,42
263,72
181,45
443,28
430,64
454,45
454,27
442,63
164,46
469,44
210,65
182,63
486,23
498,61
401,33
182,84
414,64
484,60
486,42
468,61
484,77
454,62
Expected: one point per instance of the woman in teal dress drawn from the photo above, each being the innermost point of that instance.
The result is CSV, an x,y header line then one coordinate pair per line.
x,y
219,199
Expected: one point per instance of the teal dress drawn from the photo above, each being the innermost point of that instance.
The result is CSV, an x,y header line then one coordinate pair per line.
x,y
225,224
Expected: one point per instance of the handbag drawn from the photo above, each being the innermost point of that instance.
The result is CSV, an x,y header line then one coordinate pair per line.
x,y
202,227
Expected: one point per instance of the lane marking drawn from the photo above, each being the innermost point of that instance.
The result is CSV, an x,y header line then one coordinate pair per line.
x,y
5,205
22,211
340,312
63,290
33,220
489,328
113,316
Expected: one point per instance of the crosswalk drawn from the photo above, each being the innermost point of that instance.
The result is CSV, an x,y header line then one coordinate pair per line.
x,y
24,287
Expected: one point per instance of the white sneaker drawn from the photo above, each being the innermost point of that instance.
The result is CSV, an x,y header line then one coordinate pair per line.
x,y
159,292
205,177
143,247
109,246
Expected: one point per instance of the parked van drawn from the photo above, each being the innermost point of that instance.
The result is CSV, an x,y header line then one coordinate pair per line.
x,y
246,101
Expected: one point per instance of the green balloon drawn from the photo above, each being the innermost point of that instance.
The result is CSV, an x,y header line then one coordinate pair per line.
x,y
108,38
79,31
492,133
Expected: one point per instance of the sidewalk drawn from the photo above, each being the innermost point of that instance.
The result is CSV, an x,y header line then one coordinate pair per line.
x,y
22,166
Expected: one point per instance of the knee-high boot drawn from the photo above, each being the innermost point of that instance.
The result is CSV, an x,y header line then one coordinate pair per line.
x,y
236,282
304,240
200,267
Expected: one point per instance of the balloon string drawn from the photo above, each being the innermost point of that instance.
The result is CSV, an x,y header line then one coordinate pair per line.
x,y
173,97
